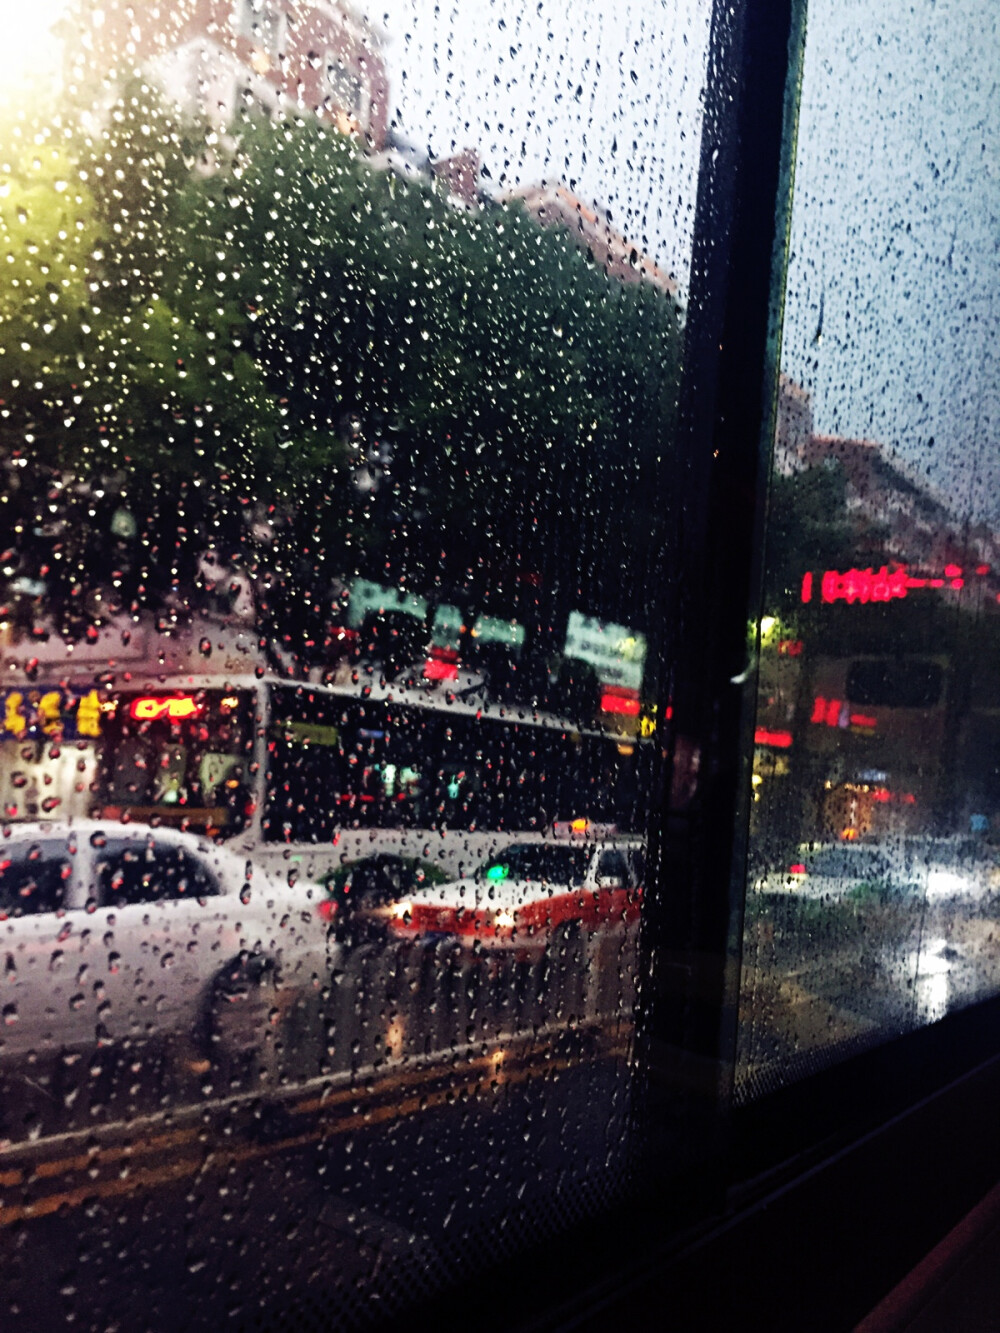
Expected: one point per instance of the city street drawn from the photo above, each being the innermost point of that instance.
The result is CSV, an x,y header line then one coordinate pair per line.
x,y
334,1202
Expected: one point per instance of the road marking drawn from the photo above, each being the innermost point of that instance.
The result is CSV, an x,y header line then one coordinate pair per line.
x,y
538,1063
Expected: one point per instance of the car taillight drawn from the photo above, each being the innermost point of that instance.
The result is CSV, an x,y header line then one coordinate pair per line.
x,y
797,869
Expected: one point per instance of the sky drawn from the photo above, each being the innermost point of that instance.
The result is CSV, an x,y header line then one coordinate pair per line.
x,y
603,97
892,316
891,312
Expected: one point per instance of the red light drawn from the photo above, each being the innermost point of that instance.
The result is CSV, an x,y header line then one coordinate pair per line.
x,y
982,569
827,712
797,869
935,583
327,908
882,795
952,571
863,720
435,669
781,740
619,703
807,587
790,647
864,585
151,707
958,583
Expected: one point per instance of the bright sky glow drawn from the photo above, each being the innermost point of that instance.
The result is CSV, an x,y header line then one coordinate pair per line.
x,y
30,50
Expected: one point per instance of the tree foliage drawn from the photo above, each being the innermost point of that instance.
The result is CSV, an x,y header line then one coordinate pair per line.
x,y
217,330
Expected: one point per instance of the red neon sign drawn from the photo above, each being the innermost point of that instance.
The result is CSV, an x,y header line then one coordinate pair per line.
x,y
879,585
781,740
864,720
835,713
619,703
864,585
152,707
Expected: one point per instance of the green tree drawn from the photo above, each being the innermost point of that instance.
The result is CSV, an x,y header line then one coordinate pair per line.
x,y
238,318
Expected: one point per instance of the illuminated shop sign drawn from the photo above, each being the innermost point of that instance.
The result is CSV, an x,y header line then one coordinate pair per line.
x,y
50,711
779,740
886,584
175,708
838,713
367,596
617,653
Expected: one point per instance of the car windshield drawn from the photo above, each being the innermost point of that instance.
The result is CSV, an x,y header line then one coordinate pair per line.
x,y
534,861
382,878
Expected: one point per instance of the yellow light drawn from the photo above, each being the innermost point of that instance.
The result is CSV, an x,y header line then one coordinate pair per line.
x,y
767,624
401,910
503,918
580,825
394,1035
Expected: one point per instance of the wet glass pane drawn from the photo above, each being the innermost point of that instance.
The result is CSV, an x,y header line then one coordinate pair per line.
x,y
339,359
875,828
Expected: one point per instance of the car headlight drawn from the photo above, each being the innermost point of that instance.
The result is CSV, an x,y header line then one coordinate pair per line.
x,y
946,881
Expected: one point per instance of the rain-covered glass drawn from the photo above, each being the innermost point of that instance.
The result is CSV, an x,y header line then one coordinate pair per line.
x,y
873,892
339,360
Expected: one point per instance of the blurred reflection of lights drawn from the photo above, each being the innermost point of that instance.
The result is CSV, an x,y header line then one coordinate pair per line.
x,y
497,1063
931,980
944,883
394,1035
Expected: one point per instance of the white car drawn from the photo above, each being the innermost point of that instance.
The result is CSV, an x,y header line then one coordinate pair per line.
x,y
528,890
954,868
114,935
834,871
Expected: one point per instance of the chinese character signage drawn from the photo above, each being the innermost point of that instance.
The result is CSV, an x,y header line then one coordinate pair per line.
x,y
876,585
615,652
39,712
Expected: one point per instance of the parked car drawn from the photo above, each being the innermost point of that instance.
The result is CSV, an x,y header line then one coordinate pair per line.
x,y
120,935
528,891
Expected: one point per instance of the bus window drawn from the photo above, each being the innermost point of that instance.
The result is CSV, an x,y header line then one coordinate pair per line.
x,y
891,683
